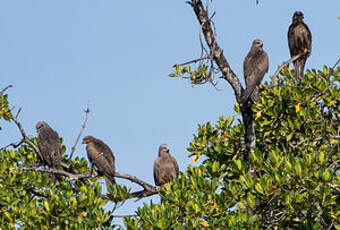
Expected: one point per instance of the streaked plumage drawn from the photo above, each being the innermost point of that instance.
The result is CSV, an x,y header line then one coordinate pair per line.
x,y
255,66
49,144
101,156
165,167
299,41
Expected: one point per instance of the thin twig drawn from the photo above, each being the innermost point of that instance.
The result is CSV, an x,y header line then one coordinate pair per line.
x,y
291,86
122,216
193,61
3,91
87,111
284,64
336,63
14,144
24,136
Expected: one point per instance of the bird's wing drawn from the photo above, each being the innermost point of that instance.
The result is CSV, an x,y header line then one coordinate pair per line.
x,y
44,149
306,36
156,168
106,152
175,165
247,66
100,161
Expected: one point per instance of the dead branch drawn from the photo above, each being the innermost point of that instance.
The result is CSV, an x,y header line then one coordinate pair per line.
x,y
25,138
148,189
291,86
216,53
189,62
123,216
71,176
14,144
87,112
284,64
335,65
3,91
215,50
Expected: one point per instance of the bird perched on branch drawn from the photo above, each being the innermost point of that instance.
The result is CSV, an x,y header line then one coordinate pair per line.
x,y
49,144
102,157
255,65
165,168
299,41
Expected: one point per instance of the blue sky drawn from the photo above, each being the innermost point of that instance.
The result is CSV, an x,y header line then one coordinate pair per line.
x,y
61,54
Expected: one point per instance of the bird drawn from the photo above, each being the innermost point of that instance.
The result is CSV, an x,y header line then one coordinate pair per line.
x,y
165,167
101,156
49,145
255,65
299,41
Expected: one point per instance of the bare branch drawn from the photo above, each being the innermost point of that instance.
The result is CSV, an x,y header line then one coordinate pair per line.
x,y
60,172
189,62
24,136
122,216
148,189
14,144
216,51
134,179
335,65
87,112
284,64
3,91
291,86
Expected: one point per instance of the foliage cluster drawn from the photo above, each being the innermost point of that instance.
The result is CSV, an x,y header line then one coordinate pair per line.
x,y
296,163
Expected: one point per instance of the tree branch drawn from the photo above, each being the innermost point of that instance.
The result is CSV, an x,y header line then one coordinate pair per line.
x,y
87,112
291,86
14,144
336,64
216,51
3,91
217,55
24,136
123,216
148,189
193,61
284,64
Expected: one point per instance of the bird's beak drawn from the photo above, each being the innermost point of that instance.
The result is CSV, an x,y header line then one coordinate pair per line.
x,y
83,142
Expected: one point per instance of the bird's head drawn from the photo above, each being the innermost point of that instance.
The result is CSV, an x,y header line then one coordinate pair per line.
x,y
163,150
40,125
87,139
297,17
257,43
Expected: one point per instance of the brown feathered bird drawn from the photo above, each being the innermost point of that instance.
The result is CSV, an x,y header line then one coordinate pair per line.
x,y
49,144
255,65
101,156
299,41
165,168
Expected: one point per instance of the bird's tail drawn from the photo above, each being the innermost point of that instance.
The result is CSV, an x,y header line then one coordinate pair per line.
x,y
109,180
252,92
299,66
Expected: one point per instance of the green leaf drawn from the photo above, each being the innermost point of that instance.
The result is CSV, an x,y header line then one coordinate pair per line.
x,y
326,175
238,163
321,157
259,188
230,121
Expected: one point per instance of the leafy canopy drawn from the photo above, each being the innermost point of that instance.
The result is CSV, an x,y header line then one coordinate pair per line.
x,y
296,165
